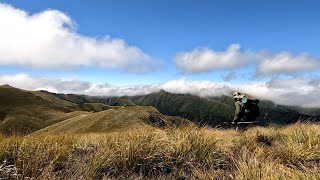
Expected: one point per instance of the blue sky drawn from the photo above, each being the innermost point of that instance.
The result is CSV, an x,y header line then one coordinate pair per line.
x,y
231,41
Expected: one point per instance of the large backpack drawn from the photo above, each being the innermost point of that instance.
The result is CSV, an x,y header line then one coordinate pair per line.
x,y
251,109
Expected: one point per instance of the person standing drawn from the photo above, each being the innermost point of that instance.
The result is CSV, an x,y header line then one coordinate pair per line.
x,y
246,110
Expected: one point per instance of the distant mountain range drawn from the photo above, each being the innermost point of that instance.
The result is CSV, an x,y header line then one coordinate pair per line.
x,y
24,112
212,111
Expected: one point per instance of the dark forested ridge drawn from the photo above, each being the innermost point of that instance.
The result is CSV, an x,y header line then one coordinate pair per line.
x,y
214,110
199,110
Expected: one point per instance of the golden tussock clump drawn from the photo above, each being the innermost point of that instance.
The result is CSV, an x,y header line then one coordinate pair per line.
x,y
189,152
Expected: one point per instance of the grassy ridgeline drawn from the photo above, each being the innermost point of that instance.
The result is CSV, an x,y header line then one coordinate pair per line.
x,y
291,152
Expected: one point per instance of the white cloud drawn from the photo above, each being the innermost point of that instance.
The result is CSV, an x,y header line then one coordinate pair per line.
x,y
49,39
200,88
297,91
286,63
27,82
294,91
204,60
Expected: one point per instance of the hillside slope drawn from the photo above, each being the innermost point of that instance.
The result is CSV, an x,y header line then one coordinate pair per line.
x,y
114,120
305,110
200,110
23,112
113,101
212,111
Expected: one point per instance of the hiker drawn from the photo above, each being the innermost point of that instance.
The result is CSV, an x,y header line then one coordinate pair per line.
x,y
247,109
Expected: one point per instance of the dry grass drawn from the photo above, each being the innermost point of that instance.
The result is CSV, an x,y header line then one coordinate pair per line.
x,y
291,152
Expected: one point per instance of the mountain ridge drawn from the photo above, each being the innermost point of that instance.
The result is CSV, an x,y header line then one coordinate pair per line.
x,y
24,112
111,120
212,111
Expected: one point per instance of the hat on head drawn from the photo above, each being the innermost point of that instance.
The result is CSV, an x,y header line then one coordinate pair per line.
x,y
237,95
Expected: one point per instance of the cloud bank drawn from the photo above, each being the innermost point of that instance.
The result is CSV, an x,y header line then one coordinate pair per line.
x,y
204,60
49,39
286,63
74,86
294,91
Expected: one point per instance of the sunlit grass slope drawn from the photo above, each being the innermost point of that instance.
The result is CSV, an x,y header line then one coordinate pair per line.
x,y
118,118
291,152
23,112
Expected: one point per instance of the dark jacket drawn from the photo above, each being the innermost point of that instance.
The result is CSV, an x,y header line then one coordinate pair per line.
x,y
240,112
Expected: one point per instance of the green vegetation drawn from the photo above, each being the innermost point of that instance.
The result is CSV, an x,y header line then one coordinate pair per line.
x,y
114,101
74,98
188,152
305,110
199,110
213,111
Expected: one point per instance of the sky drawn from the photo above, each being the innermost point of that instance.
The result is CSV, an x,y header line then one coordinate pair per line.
x,y
268,49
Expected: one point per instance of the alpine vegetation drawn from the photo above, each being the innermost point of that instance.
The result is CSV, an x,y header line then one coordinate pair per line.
x,y
188,152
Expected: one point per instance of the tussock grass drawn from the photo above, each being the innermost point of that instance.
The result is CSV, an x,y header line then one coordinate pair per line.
x,y
189,152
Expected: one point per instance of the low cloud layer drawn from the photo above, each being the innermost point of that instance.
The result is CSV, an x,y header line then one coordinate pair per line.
x,y
25,81
49,39
294,91
286,63
204,60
